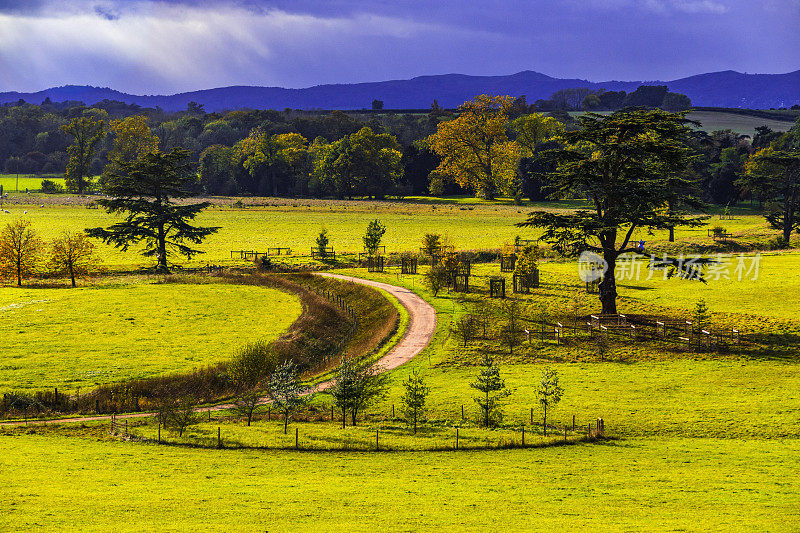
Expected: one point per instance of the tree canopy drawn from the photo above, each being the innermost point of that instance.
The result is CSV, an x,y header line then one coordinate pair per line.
x,y
475,148
144,191
629,165
87,133
772,175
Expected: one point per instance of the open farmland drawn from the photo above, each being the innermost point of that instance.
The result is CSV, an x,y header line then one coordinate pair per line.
x,y
110,332
687,427
260,223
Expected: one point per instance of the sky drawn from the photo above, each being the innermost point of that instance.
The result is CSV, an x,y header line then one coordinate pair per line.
x,y
168,46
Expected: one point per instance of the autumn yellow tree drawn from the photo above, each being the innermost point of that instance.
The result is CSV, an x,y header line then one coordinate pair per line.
x,y
20,251
86,133
132,140
73,254
534,129
475,149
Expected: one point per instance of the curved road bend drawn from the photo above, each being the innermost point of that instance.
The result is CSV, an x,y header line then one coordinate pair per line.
x,y
421,325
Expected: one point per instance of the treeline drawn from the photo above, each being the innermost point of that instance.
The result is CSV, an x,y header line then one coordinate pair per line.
x,y
298,154
585,99
33,140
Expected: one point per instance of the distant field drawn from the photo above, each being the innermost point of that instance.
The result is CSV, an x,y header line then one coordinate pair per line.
x,y
70,338
468,225
742,124
716,120
641,485
26,181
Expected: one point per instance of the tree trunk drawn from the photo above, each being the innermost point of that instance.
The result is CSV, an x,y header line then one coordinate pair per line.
x,y
162,251
671,234
19,273
344,417
285,422
788,219
72,275
544,420
608,287
486,412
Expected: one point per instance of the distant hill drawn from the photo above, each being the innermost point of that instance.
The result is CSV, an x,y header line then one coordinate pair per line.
x,y
717,89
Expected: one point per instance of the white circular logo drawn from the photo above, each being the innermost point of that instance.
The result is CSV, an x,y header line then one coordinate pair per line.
x,y
591,266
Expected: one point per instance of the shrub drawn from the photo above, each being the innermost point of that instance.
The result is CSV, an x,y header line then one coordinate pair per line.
x,y
51,187
778,243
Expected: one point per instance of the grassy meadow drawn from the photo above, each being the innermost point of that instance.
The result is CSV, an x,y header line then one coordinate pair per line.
x,y
109,332
700,441
261,223
636,484
25,181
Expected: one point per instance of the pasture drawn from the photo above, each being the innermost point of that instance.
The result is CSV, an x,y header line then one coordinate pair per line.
x,y
119,330
645,485
261,223
700,440
14,183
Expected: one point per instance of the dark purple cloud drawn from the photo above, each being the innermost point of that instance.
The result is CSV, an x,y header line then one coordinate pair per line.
x,y
157,46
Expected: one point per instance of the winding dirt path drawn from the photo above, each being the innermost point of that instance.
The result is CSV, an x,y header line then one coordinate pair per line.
x,y
421,325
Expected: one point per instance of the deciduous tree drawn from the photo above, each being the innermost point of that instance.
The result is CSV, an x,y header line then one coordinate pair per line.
x,y
247,371
475,149
73,254
355,386
372,239
20,250
132,141
286,390
549,393
87,132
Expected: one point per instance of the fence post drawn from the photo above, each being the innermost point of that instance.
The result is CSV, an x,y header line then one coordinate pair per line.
x,y
573,422
462,411
565,433
126,427
219,437
377,444
523,435
392,411
531,415
159,431
456,438
296,438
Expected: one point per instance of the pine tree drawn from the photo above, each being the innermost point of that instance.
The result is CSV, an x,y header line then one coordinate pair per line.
x,y
416,394
492,389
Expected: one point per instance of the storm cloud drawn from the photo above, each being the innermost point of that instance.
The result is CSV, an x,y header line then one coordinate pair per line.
x,y
152,46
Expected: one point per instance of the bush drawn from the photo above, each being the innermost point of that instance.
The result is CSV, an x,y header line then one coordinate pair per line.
x,y
51,187
778,243
264,263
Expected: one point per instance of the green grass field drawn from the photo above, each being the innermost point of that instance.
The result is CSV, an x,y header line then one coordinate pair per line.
x,y
32,183
641,485
702,441
71,338
295,225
